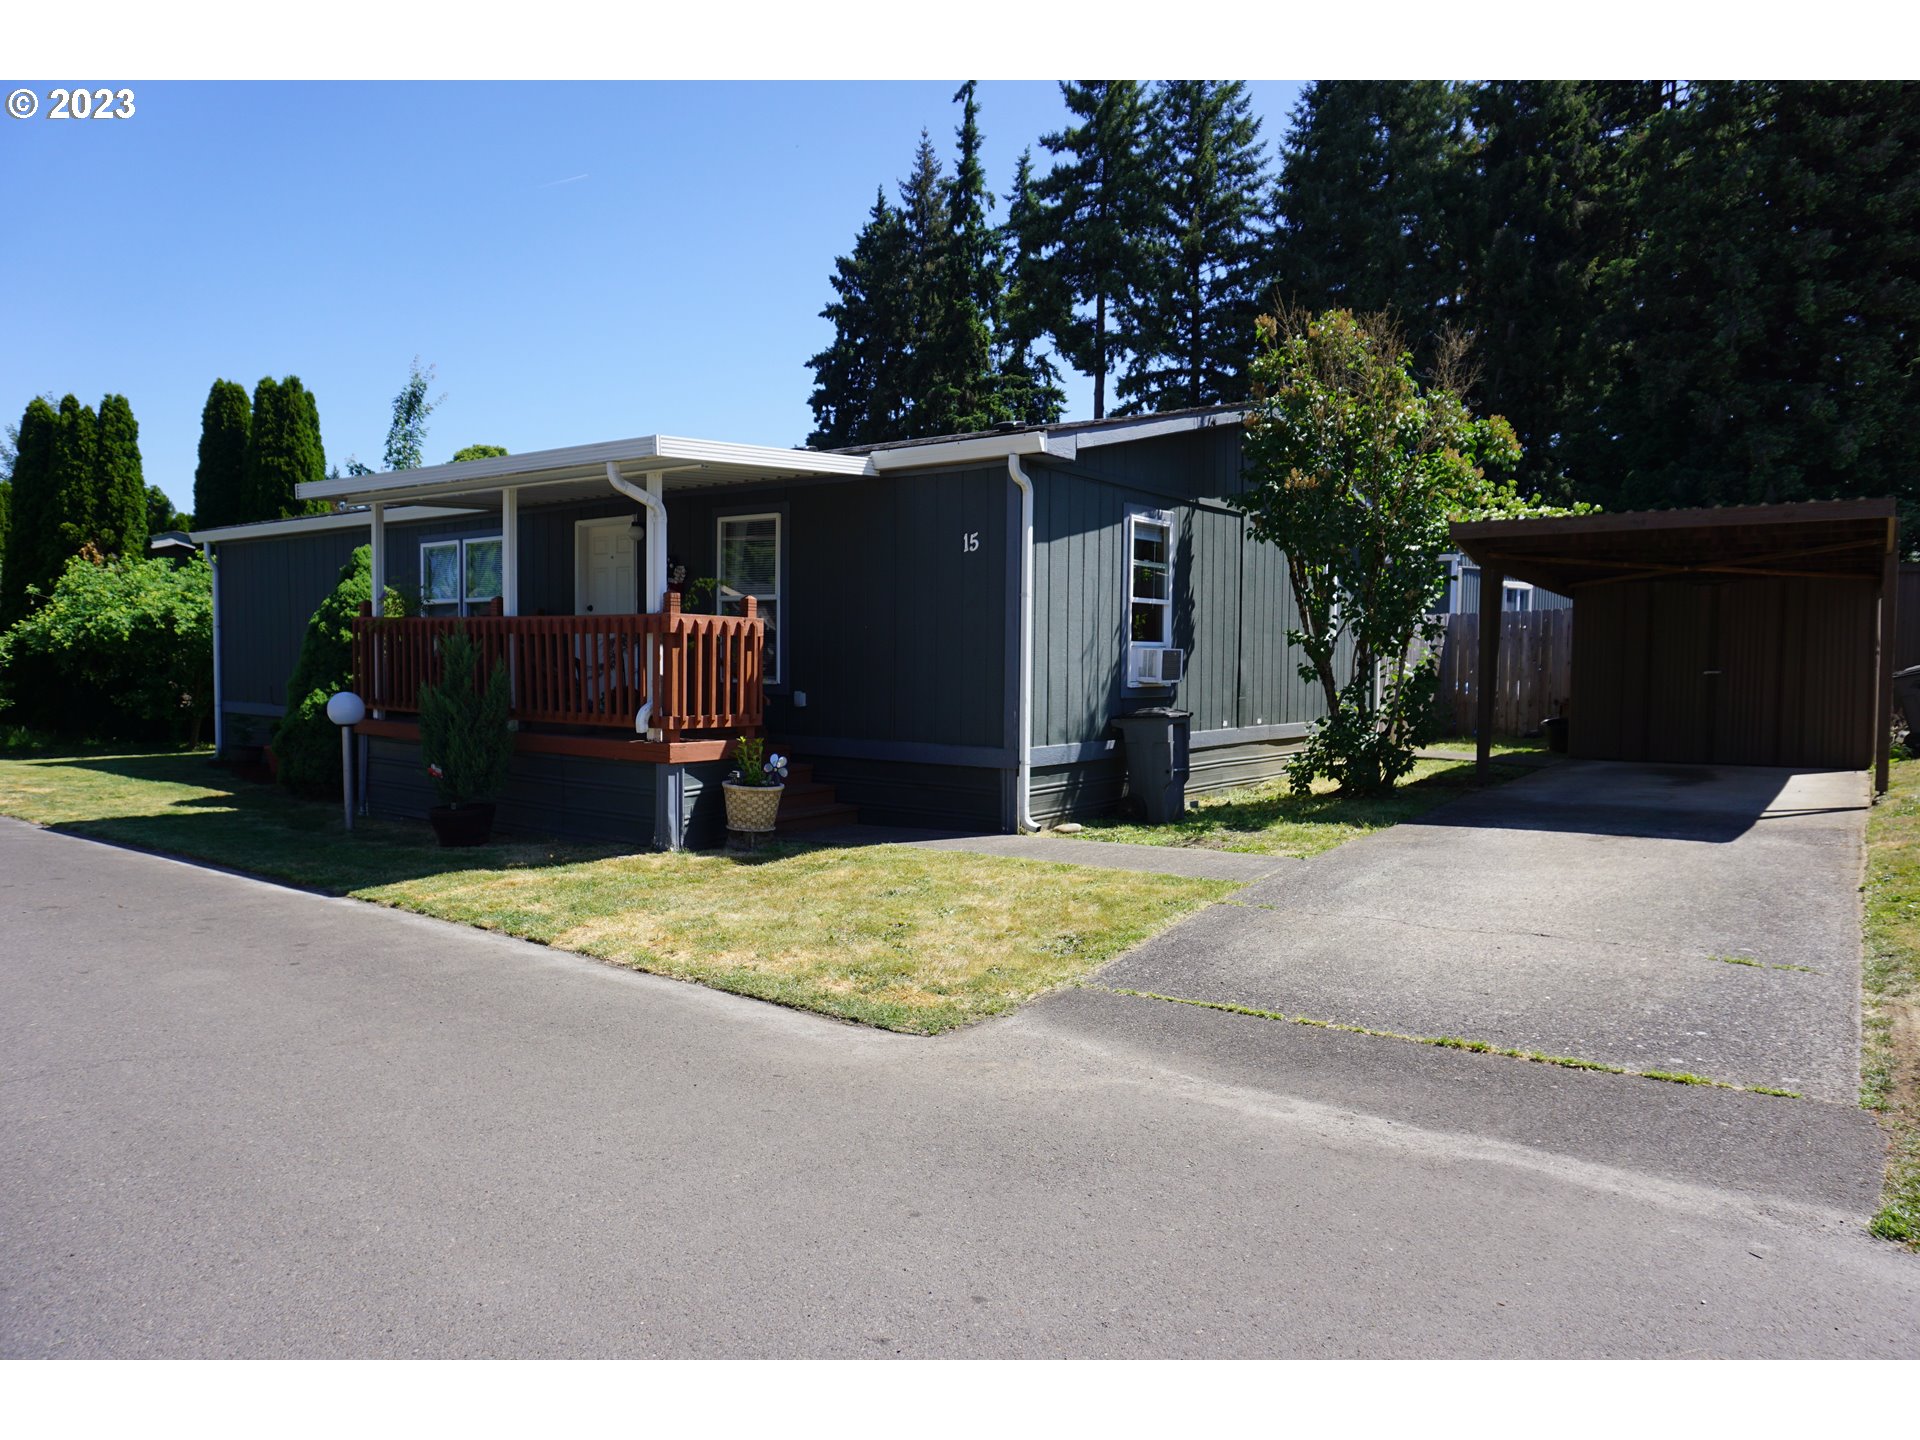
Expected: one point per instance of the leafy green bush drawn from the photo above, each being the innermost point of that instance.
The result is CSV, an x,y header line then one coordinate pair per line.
x,y
306,745
120,649
463,725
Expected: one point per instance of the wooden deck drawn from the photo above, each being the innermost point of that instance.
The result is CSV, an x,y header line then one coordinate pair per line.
x,y
704,674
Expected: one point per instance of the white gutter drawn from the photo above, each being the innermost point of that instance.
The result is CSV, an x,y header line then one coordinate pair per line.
x,y
1023,778
219,717
656,568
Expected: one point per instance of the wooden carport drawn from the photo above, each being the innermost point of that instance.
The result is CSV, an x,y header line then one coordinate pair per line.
x,y
1799,598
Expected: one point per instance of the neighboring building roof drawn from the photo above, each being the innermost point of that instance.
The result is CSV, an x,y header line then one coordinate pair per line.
x,y
171,540
1220,414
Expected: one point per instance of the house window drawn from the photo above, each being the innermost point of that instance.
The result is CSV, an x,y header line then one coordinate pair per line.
x,y
749,548
1150,578
459,577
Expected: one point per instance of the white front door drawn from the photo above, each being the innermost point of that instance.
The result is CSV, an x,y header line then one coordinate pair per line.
x,y
607,580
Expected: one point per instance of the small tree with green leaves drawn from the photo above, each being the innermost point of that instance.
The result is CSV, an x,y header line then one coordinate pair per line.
x,y
464,737
477,452
1354,468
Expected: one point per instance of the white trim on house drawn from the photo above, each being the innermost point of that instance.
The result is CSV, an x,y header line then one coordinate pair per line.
x,y
339,520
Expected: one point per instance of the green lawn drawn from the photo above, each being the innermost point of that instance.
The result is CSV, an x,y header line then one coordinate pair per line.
x,y
1890,1061
907,939
1268,819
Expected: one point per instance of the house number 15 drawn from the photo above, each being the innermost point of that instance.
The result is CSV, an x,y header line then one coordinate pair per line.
x,y
969,542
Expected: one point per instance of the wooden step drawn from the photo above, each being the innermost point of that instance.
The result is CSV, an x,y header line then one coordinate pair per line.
x,y
809,804
814,817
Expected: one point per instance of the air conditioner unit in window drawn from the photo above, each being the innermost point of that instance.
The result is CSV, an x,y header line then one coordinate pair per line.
x,y
1158,665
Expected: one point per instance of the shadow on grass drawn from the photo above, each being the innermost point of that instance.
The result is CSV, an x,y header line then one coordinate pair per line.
x,y
184,805
1273,810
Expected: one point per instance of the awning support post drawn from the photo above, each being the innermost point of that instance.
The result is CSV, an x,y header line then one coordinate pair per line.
x,y
378,521
1493,584
510,551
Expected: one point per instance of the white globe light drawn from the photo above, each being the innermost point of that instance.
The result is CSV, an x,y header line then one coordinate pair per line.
x,y
346,708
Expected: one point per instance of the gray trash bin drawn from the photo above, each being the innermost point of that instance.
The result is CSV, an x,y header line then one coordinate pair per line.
x,y
1155,741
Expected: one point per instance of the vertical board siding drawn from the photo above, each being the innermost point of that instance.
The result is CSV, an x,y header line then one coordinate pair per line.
x,y
894,631
269,589
1233,603
1794,683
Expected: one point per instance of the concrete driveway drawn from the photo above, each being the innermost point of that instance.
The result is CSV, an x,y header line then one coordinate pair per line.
x,y
1591,910
241,1120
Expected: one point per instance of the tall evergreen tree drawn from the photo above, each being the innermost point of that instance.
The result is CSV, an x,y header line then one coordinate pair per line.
x,y
6,527
1096,205
925,224
1030,306
1191,318
119,487
220,486
859,394
1763,327
32,554
75,508
956,389
1368,201
284,448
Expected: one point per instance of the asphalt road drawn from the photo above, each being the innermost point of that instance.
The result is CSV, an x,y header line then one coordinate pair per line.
x,y
242,1120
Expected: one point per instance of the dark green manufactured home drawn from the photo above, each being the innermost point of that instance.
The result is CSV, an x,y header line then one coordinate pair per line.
x,y
941,630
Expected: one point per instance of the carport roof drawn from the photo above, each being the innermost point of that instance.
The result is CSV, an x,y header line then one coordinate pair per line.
x,y
1818,539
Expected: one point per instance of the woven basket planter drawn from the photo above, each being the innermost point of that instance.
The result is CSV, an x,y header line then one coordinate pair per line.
x,y
751,808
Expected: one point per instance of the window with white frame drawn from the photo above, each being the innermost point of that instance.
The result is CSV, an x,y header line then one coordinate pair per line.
x,y
1150,578
749,564
460,577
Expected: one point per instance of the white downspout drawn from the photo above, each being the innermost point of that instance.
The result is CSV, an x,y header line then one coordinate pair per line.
x,y
656,565
219,715
1023,780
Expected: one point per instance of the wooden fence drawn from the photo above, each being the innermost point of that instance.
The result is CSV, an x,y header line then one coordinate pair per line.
x,y
1535,676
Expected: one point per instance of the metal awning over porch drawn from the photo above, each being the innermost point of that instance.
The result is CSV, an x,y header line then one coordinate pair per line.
x,y
576,471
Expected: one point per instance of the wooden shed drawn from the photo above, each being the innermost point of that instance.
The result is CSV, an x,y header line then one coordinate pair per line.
x,y
1749,635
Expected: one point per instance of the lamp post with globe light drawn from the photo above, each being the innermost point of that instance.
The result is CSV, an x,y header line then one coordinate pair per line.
x,y
346,710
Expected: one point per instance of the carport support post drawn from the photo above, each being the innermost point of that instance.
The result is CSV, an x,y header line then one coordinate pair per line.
x,y
1493,590
1883,669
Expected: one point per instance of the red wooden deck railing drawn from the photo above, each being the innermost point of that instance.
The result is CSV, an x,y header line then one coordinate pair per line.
x,y
707,672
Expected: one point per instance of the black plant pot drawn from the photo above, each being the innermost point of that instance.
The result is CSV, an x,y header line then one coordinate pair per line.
x,y
461,826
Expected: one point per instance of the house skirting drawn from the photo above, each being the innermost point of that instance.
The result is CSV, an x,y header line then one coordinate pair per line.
x,y
568,794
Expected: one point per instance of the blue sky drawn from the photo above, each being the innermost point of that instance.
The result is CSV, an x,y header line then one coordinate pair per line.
x,y
579,261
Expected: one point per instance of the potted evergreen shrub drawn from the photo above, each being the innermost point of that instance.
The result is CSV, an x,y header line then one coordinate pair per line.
x,y
754,790
465,741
